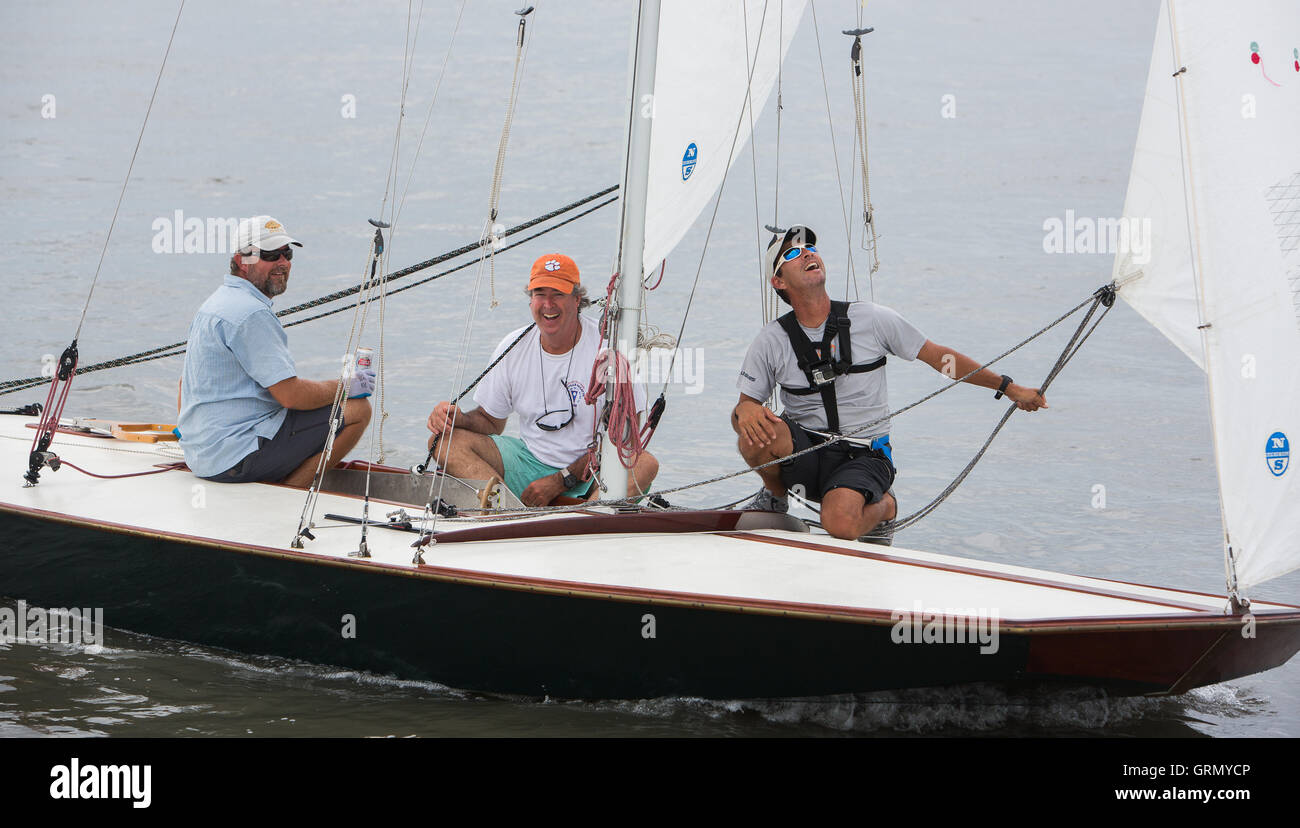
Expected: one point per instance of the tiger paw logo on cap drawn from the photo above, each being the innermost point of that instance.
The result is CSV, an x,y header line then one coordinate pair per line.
x,y
552,265
273,226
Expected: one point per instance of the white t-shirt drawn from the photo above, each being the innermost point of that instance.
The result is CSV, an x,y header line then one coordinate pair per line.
x,y
874,331
530,382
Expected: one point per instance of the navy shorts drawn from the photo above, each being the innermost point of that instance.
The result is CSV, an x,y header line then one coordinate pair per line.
x,y
844,465
301,435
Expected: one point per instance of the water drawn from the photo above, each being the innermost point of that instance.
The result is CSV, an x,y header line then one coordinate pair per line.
x,y
1046,102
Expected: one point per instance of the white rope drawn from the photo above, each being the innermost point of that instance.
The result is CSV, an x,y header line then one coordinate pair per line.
x,y
490,236
858,82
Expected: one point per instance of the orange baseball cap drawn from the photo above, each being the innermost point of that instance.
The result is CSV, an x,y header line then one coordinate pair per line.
x,y
554,270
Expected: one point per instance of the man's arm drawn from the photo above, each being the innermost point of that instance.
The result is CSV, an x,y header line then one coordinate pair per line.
x,y
753,421
477,420
953,364
304,395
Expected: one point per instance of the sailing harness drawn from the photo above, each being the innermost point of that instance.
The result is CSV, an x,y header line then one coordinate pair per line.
x,y
819,362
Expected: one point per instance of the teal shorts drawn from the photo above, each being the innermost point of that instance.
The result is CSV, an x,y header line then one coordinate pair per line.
x,y
523,468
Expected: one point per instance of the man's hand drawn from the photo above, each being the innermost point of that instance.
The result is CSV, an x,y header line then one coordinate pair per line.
x,y
362,383
542,490
754,423
441,417
1026,399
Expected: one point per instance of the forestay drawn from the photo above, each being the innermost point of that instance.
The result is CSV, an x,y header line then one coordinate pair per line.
x,y
705,53
1216,173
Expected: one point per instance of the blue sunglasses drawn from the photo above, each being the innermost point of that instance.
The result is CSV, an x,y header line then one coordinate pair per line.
x,y
793,253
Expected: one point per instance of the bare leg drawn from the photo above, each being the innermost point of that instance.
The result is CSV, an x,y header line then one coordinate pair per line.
x,y
847,515
643,474
356,415
470,455
756,455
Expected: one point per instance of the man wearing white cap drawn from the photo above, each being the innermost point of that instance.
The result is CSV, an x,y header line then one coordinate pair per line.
x,y
245,414
828,358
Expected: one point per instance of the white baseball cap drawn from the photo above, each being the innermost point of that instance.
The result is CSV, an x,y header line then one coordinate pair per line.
x,y
262,232
799,234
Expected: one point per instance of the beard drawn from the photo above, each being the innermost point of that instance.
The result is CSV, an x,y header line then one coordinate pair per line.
x,y
276,283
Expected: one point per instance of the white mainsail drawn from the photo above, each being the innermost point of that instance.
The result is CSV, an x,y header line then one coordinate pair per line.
x,y
706,51
1217,175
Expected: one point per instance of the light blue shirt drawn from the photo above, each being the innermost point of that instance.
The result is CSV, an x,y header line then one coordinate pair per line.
x,y
237,350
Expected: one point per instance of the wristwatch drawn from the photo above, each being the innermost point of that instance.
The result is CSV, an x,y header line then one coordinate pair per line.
x,y
1003,387
568,479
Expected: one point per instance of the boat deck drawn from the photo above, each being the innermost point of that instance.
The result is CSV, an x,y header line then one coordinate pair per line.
x,y
646,557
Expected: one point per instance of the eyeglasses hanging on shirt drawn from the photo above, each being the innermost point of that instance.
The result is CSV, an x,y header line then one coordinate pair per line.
x,y
551,426
564,383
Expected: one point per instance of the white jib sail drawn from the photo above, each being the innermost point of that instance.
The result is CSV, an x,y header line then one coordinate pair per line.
x,y
706,51
1220,275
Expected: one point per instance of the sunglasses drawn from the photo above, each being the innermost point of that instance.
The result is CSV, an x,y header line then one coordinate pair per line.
x,y
275,255
793,253
553,415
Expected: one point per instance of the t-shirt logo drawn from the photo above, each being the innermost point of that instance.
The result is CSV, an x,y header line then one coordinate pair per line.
x,y
552,264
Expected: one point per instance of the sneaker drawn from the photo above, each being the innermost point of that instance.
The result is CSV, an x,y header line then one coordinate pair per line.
x,y
765,501
882,535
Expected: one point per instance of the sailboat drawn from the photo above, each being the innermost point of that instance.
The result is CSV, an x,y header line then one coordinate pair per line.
x,y
626,602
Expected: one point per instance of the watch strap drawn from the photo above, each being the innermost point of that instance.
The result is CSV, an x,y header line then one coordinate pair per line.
x,y
1002,389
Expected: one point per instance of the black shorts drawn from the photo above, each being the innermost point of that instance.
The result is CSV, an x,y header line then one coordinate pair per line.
x,y
301,435
844,465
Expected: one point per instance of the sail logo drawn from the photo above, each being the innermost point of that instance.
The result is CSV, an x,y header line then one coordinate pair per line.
x,y
1126,235
1277,453
688,161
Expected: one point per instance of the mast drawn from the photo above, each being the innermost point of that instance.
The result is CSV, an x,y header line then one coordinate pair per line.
x,y
627,315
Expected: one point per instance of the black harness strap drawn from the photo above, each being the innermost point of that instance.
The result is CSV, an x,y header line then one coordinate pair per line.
x,y
816,362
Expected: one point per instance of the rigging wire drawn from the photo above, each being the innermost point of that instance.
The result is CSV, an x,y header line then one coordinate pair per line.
x,y
491,239
178,348
753,163
835,153
490,234
1104,295
858,82
61,381
131,167
717,202
437,87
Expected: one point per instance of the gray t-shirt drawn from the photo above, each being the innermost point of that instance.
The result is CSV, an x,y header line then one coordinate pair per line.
x,y
875,331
